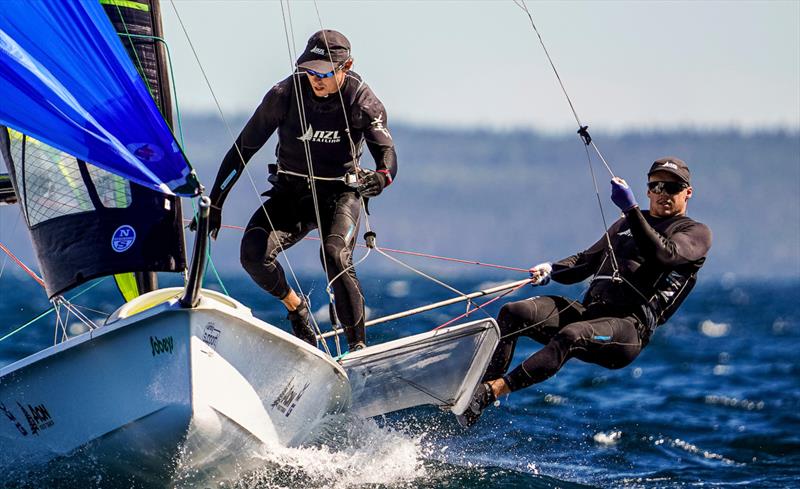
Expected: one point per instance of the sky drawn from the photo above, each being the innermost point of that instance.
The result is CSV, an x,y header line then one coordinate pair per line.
x,y
626,65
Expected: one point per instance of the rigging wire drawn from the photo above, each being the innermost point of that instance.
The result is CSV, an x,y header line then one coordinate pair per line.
x,y
480,307
141,70
50,311
234,139
417,254
288,30
583,131
363,203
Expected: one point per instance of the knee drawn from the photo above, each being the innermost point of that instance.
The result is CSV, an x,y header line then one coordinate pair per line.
x,y
505,317
510,316
253,253
571,334
334,249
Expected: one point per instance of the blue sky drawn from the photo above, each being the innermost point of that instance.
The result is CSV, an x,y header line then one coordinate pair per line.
x,y
625,64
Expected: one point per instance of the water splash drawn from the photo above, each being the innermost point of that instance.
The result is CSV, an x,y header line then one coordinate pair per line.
x,y
348,452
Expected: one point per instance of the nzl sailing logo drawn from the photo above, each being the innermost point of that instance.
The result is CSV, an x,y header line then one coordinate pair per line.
x,y
123,238
313,136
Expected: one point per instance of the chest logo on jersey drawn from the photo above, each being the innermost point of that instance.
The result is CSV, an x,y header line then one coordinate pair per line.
x,y
313,136
627,232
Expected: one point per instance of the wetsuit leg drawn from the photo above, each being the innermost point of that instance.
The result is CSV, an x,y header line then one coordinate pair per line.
x,y
539,318
261,244
608,341
339,230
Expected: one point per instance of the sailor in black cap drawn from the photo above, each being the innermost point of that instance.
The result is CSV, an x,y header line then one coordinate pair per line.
x,y
324,113
641,273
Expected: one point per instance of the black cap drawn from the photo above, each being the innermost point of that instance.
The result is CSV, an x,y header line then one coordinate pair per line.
x,y
322,48
673,165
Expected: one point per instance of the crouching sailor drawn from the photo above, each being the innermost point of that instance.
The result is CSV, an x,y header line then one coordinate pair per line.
x,y
643,270
323,114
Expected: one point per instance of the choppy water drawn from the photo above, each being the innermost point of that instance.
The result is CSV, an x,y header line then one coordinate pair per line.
x,y
713,401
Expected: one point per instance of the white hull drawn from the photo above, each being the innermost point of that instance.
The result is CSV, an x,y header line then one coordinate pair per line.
x,y
167,385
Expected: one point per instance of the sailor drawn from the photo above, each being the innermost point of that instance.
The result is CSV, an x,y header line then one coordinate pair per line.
x,y
323,113
639,281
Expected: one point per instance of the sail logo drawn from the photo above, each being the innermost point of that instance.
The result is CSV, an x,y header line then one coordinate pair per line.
x,y
123,238
163,345
146,152
318,50
313,136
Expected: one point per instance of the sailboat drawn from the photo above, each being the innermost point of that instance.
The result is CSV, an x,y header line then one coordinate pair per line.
x,y
176,375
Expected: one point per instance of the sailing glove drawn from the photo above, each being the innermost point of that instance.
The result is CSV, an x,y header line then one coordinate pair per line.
x,y
214,221
622,195
371,184
540,274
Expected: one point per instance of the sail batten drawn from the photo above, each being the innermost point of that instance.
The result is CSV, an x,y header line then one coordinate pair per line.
x,y
68,82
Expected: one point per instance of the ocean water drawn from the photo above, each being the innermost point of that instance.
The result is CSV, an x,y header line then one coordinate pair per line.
x,y
713,401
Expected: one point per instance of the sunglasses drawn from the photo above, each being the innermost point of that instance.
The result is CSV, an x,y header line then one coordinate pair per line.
x,y
325,75
670,188
321,75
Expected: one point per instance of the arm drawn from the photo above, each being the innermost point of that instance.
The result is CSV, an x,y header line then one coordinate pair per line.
x,y
373,117
688,244
582,265
255,134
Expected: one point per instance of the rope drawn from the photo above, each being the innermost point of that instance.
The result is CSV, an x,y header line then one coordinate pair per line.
x,y
22,265
49,311
230,135
415,253
480,307
346,122
583,131
288,29
13,232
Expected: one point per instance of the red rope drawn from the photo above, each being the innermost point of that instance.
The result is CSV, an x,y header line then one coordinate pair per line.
x,y
481,306
22,265
415,253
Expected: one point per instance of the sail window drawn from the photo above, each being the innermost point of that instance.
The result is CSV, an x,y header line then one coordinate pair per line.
x,y
113,190
51,183
50,179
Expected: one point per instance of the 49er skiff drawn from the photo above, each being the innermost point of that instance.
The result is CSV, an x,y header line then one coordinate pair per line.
x,y
177,375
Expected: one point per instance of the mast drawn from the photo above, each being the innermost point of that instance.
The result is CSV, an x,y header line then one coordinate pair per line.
x,y
141,32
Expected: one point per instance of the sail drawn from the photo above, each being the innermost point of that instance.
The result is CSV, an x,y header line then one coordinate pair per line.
x,y
86,222
138,24
67,81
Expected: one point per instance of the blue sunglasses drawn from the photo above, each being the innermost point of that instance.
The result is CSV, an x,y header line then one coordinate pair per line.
x,y
321,75
328,74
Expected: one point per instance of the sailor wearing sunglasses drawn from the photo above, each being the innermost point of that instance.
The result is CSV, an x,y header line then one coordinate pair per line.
x,y
323,113
641,270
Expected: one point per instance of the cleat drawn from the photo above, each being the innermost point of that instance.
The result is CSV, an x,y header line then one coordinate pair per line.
x,y
300,324
358,346
481,398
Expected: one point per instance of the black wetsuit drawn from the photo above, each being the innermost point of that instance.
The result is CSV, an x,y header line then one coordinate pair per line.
x,y
290,212
658,259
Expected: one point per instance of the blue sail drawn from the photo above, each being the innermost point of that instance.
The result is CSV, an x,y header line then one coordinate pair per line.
x,y
66,80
